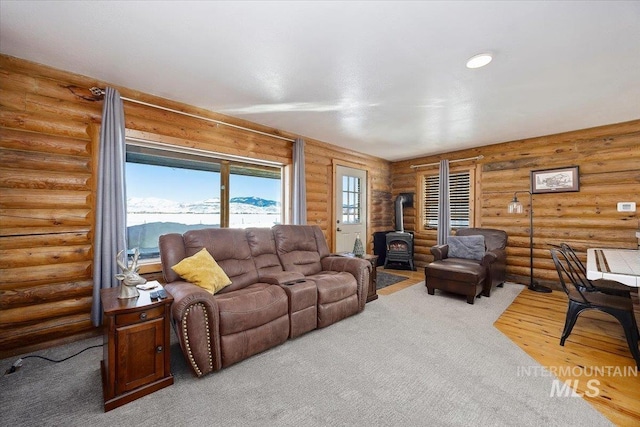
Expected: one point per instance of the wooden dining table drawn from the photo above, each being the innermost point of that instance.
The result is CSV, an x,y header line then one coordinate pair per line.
x,y
621,265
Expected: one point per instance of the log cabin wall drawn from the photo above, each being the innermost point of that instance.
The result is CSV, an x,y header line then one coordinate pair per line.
x,y
49,127
609,164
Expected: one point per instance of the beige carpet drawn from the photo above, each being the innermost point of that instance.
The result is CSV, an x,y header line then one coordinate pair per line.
x,y
409,359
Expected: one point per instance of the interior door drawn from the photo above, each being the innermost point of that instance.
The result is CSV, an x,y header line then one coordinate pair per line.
x,y
351,207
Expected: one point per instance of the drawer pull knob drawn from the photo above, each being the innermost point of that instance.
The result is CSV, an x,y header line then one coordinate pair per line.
x,y
159,349
143,315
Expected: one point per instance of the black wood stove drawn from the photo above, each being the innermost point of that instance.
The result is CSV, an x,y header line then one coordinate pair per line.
x,y
399,243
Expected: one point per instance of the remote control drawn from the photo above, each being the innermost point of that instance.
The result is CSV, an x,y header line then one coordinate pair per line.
x,y
153,294
162,294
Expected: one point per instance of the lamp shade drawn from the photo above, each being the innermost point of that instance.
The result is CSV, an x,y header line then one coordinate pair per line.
x,y
515,207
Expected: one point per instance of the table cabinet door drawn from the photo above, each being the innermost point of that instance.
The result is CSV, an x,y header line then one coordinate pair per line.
x,y
140,350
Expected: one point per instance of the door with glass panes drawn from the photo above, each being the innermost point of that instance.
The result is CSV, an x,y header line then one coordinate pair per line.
x,y
351,207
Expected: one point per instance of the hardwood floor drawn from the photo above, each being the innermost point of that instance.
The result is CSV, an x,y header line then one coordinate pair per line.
x,y
413,277
595,359
596,353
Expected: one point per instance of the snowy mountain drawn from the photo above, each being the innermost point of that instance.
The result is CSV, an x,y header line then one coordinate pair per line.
x,y
255,201
238,205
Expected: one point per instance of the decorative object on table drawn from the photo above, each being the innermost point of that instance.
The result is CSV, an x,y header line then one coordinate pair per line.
x,y
557,180
130,277
515,207
358,248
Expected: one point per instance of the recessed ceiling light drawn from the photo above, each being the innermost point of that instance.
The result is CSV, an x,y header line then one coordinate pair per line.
x,y
479,60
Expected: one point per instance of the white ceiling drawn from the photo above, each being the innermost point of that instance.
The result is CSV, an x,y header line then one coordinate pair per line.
x,y
384,78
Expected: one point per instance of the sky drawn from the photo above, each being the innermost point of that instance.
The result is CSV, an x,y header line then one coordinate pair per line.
x,y
184,185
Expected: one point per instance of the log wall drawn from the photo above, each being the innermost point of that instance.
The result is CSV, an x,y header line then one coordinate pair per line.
x,y
49,124
49,128
609,163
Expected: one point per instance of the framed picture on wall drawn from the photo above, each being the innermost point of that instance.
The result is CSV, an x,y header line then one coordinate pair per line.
x,y
558,180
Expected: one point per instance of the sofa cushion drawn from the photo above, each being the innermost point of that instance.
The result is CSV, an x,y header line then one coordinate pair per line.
x,y
493,238
297,248
243,344
230,249
202,270
250,307
334,286
468,247
172,251
263,250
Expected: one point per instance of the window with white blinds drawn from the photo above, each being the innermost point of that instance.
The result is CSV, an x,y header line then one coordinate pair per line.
x,y
460,196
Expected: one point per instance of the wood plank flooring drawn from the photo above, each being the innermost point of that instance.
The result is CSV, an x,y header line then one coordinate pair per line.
x,y
413,277
595,358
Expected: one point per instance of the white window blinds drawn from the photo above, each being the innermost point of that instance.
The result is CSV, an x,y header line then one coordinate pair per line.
x,y
460,192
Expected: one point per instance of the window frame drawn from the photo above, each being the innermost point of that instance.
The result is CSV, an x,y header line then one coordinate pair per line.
x,y
227,165
354,207
421,183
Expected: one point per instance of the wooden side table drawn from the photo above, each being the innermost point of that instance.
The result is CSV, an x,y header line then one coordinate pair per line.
x,y
136,347
373,279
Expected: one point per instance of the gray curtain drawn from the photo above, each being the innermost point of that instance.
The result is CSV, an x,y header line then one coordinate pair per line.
x,y
299,199
111,209
444,210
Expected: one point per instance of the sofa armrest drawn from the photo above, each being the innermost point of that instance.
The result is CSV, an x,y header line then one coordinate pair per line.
x,y
501,255
282,278
488,258
440,252
498,267
196,321
358,267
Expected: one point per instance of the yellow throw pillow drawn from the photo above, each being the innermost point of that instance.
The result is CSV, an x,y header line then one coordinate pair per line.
x,y
202,270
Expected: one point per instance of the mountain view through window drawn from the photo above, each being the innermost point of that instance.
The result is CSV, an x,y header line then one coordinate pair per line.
x,y
176,193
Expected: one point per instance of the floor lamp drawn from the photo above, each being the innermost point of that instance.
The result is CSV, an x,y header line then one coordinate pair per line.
x,y
515,207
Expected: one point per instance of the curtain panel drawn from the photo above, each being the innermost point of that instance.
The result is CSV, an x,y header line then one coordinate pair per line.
x,y
110,235
444,209
299,198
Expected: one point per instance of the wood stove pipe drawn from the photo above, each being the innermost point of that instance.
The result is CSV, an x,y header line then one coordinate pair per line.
x,y
403,199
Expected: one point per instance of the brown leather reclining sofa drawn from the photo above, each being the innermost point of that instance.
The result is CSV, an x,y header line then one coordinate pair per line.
x,y
284,283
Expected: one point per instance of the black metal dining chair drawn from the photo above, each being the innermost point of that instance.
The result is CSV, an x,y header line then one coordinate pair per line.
x,y
580,300
609,287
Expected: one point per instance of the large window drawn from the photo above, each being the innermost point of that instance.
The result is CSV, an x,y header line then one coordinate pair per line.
x,y
255,196
176,191
460,200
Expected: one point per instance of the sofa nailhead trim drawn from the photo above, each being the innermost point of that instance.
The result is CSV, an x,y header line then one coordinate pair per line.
x,y
186,338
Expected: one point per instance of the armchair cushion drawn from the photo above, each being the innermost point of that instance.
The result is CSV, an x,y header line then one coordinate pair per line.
x,y
201,269
467,247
